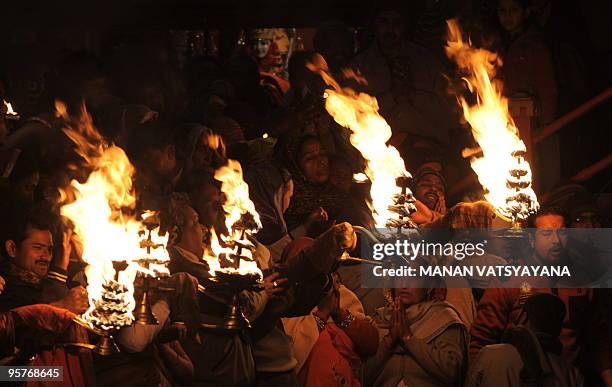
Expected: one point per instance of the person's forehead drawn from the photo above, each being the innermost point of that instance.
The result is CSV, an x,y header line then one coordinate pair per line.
x,y
311,146
549,220
430,178
37,235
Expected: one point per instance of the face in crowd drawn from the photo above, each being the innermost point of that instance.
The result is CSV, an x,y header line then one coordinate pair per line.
x,y
389,29
203,154
261,47
34,253
411,296
586,219
341,175
549,239
429,190
192,232
207,200
163,161
313,161
512,15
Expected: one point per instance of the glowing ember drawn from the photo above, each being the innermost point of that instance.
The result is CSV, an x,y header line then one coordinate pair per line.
x,y
233,253
369,134
9,109
502,170
108,233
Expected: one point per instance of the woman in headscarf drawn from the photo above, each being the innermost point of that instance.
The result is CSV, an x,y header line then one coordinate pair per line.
x,y
199,149
271,189
423,340
308,163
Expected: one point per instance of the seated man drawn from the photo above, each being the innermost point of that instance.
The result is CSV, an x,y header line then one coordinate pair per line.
x,y
31,272
530,353
430,189
585,331
32,277
227,359
218,358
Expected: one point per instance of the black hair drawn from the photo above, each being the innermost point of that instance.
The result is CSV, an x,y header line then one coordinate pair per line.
x,y
17,221
549,210
545,313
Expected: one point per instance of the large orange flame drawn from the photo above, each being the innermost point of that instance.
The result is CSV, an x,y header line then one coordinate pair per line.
x,y
503,172
98,210
241,221
369,134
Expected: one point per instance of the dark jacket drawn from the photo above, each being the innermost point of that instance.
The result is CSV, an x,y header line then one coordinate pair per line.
x,y
26,288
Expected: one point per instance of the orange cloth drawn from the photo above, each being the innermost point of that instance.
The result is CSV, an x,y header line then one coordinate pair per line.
x,y
332,361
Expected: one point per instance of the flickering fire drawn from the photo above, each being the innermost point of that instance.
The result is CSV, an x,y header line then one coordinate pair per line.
x,y
242,221
369,134
502,170
101,212
9,109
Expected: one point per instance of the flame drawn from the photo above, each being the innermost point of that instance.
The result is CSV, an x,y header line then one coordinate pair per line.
x,y
9,109
369,134
502,170
241,221
100,213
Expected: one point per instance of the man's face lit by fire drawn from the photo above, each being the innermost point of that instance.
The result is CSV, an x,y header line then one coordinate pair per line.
x,y
549,239
429,189
203,155
208,202
314,162
191,229
34,253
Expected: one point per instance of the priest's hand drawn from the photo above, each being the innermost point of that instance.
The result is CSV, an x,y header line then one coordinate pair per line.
x,y
76,300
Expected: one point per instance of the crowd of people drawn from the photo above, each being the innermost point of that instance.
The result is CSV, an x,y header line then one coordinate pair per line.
x,y
312,323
